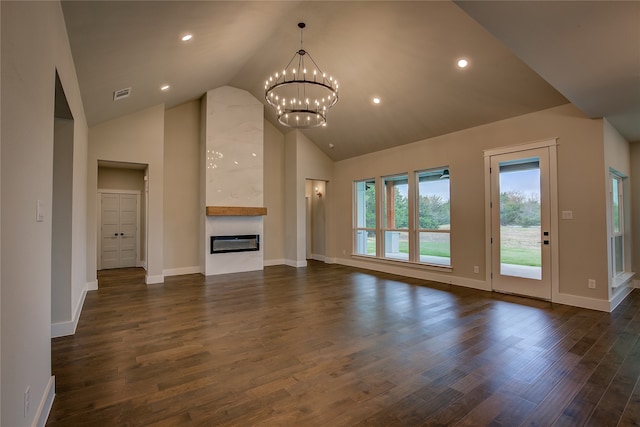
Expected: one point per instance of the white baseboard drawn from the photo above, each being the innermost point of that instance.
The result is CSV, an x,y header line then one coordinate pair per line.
x,y
582,302
295,263
45,403
151,280
62,329
318,257
271,262
417,274
621,293
180,271
331,260
92,286
636,284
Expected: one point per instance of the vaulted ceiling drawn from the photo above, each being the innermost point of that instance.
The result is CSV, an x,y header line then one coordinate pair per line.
x,y
524,57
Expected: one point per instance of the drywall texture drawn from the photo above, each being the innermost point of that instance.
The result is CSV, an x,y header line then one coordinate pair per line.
x,y
582,248
181,187
34,46
136,138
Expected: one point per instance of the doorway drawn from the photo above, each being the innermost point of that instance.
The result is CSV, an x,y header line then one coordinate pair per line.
x,y
521,234
315,219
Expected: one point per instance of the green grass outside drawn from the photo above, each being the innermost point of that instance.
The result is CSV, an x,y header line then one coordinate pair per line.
x,y
516,256
520,256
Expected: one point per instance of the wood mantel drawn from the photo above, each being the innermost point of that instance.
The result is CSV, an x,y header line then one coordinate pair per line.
x,y
235,211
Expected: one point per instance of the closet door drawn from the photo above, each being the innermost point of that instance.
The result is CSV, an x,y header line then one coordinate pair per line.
x,y
119,213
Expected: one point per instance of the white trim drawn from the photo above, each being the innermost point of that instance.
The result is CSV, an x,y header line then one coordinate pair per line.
x,y
331,260
318,257
44,408
294,263
620,294
181,270
404,263
92,286
551,142
271,262
62,329
622,279
636,284
151,280
415,273
582,302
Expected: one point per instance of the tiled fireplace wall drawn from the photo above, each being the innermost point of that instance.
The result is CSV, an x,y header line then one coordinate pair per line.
x,y
233,174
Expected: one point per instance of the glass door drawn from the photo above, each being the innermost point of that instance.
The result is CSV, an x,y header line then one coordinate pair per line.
x,y
520,223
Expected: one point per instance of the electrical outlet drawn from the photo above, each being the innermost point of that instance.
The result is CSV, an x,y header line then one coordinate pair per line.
x,y
27,399
592,284
476,269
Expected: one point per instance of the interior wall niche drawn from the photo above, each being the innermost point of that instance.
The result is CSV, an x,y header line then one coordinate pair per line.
x,y
61,209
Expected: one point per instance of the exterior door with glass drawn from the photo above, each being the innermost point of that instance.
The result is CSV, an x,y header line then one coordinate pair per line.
x,y
520,223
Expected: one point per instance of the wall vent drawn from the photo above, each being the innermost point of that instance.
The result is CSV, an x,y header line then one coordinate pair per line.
x,y
122,93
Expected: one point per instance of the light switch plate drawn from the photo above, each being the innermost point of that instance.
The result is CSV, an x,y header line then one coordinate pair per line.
x,y
567,214
39,211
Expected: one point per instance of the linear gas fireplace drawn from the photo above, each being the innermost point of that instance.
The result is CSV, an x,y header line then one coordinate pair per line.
x,y
238,243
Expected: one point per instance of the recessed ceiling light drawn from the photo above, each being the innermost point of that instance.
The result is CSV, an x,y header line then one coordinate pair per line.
x,y
165,88
376,100
462,63
186,37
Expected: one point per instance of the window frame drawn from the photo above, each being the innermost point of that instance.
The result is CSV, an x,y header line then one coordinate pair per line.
x,y
356,212
616,182
389,245
418,229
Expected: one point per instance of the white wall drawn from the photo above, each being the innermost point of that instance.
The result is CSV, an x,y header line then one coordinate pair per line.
x,y
581,189
136,138
34,45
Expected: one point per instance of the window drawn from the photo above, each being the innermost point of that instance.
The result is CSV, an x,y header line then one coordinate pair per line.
x,y
365,221
408,220
396,217
434,217
617,225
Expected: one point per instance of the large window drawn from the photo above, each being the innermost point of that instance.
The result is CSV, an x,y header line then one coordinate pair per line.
x,y
396,217
365,221
617,225
433,217
407,220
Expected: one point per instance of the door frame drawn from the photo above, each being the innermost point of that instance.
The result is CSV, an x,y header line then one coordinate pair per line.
x,y
551,145
99,223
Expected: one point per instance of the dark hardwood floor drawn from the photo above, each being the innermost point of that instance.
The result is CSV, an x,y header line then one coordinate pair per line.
x,y
330,345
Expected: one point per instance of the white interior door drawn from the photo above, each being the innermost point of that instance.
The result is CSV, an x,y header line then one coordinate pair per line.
x,y
520,223
119,229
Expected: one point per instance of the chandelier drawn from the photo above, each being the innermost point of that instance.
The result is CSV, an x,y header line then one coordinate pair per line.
x,y
301,94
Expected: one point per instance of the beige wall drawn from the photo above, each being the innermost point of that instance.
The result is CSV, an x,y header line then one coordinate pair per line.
x,y
582,248
274,195
136,138
617,155
34,46
634,159
181,189
303,161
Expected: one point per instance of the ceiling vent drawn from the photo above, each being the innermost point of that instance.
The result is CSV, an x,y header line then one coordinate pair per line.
x,y
122,93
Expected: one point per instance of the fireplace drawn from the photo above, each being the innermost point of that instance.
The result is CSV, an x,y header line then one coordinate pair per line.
x,y
236,243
